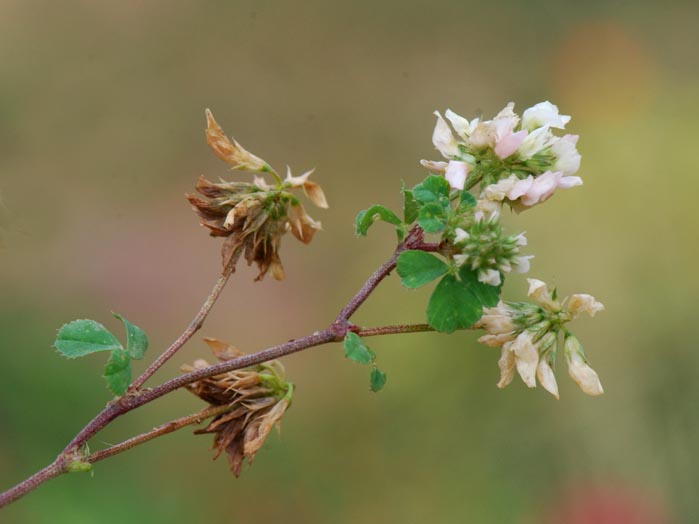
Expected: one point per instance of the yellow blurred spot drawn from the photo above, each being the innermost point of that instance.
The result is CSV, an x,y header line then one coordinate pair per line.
x,y
603,71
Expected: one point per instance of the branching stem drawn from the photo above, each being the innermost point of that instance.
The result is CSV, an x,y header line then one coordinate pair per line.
x,y
137,397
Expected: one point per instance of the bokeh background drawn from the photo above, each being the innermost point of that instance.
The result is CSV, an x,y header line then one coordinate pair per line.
x,y
101,135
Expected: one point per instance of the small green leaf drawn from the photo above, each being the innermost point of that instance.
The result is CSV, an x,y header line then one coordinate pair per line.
x,y
357,350
410,206
433,189
432,218
366,218
468,200
452,306
417,268
82,337
377,379
117,372
136,339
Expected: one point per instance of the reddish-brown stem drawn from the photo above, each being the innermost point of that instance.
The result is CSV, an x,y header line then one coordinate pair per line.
x,y
137,397
194,326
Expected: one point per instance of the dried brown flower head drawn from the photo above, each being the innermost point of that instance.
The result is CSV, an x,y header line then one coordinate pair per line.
x,y
253,216
258,398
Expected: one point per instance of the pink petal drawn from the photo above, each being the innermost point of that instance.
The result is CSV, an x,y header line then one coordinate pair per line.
x,y
508,145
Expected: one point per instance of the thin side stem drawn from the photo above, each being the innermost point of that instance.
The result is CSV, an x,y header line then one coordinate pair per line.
x,y
194,326
394,330
164,429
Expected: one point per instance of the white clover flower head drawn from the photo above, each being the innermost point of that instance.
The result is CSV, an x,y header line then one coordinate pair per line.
x,y
544,114
528,335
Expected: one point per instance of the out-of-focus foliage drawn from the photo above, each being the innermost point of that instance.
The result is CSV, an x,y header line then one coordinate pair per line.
x,y
101,134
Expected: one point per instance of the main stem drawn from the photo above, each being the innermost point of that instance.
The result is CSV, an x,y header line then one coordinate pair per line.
x,y
137,397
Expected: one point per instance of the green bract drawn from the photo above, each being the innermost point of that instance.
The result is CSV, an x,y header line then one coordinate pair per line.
x,y
83,337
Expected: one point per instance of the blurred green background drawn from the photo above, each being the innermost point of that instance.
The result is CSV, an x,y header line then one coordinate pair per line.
x,y
101,134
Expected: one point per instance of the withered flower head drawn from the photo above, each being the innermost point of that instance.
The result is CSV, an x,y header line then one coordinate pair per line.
x,y
257,396
253,216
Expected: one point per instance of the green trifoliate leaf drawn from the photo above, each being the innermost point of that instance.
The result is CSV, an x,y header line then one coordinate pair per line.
x,y
136,339
82,337
377,379
365,219
357,350
117,372
433,189
452,306
432,218
417,268
457,303
468,200
410,206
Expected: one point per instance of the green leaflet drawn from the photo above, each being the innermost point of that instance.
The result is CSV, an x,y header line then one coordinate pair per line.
x,y
458,303
432,218
117,372
136,339
365,219
82,337
417,268
377,379
357,350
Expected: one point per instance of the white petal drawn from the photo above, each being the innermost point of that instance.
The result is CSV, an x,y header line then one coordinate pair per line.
x,y
456,174
435,167
520,187
443,139
567,182
567,157
534,142
544,114
461,235
522,264
507,365
490,277
583,375
460,124
460,260
500,190
546,377
527,357
584,303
